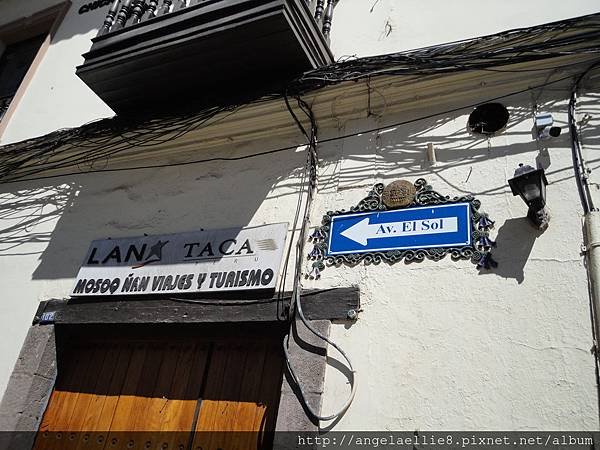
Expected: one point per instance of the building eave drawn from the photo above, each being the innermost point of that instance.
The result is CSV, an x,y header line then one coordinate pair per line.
x,y
385,85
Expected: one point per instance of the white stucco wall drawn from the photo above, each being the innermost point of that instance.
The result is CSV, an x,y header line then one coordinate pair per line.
x,y
14,9
56,98
377,27
438,345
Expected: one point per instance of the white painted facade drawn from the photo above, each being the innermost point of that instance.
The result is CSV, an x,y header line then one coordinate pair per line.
x,y
58,99
438,345
377,27
441,346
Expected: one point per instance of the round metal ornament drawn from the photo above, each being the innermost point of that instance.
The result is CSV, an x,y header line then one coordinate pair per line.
x,y
399,194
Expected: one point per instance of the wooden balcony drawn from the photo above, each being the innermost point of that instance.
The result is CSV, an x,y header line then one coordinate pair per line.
x,y
164,54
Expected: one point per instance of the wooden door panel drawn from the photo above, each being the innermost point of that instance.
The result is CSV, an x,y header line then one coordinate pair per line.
x,y
220,398
134,417
56,421
100,415
270,391
247,434
241,397
179,413
71,399
125,403
150,394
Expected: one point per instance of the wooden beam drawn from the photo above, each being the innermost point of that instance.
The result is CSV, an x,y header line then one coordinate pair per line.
x,y
330,304
326,304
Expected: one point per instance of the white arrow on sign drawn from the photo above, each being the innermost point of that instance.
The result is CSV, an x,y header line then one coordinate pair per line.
x,y
362,231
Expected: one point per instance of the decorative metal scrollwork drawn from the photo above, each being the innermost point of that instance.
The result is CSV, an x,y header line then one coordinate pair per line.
x,y
479,252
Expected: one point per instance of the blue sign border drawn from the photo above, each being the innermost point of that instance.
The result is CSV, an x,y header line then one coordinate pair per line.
x,y
468,220
478,249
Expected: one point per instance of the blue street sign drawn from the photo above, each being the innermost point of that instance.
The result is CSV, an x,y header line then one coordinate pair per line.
x,y
402,229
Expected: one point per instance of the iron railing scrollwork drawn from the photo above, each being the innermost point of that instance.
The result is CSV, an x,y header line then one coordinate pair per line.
x,y
479,252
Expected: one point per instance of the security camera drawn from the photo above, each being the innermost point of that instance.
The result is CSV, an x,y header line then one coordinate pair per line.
x,y
543,128
549,132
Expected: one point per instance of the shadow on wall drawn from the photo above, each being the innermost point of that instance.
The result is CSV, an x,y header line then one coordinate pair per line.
x,y
58,222
400,152
28,215
515,241
403,149
76,23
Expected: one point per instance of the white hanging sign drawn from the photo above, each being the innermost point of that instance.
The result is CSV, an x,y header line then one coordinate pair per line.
x,y
234,259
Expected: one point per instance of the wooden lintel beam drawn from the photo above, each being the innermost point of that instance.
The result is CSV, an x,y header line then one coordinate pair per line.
x,y
326,304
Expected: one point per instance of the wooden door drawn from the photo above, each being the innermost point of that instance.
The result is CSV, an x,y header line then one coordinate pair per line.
x,y
167,394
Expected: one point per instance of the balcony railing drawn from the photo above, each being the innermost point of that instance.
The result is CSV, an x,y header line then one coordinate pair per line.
x,y
154,55
124,13
4,104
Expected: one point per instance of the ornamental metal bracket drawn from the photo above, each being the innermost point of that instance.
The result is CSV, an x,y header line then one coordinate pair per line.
x,y
411,195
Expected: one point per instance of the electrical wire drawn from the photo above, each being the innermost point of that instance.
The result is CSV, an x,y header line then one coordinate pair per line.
x,y
576,155
104,139
512,47
353,372
292,147
579,166
155,166
583,188
298,300
310,176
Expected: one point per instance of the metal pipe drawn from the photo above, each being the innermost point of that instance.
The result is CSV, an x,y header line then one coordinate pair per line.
x,y
592,246
592,251
578,162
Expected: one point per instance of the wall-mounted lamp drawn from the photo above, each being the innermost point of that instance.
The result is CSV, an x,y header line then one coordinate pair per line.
x,y
543,128
530,184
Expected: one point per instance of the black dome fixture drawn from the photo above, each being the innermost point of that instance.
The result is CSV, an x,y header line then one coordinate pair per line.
x,y
488,119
